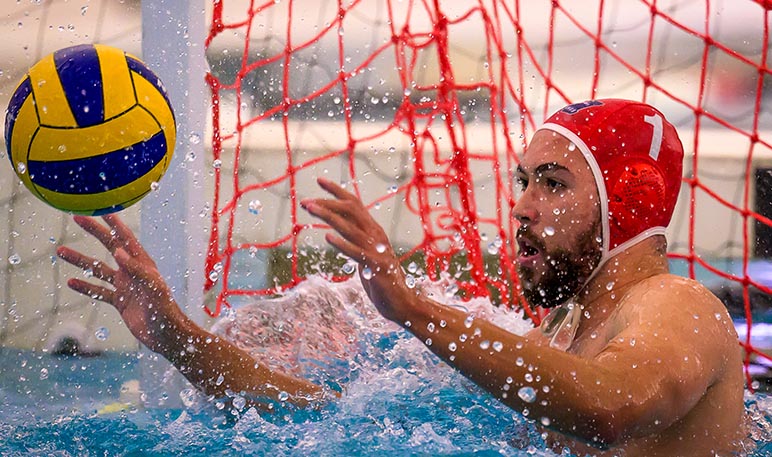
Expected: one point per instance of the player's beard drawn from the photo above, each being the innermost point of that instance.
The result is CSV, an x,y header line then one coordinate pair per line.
x,y
566,270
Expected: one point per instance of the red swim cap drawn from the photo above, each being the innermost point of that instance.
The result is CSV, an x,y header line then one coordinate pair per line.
x,y
637,160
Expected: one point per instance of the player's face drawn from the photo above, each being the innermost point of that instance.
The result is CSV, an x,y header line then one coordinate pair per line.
x,y
559,237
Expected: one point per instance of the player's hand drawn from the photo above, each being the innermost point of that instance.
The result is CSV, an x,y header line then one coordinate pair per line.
x,y
361,238
136,288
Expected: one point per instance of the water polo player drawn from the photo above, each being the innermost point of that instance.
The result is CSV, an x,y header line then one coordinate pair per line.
x,y
631,358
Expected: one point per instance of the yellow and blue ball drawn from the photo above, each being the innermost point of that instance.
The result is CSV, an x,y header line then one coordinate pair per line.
x,y
90,129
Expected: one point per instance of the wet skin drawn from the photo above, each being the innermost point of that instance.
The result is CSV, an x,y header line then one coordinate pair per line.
x,y
655,368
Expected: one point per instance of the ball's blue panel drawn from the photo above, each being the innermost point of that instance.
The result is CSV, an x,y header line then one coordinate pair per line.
x,y
81,78
112,209
17,100
100,173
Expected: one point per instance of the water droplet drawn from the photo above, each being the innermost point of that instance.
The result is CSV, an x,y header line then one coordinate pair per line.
x,y
349,267
493,249
44,373
545,421
190,156
519,361
610,285
62,148
239,402
214,276
83,10
102,333
527,394
485,344
410,281
380,248
497,346
571,147
255,206
194,138
102,176
367,273
412,267
188,397
468,321
283,396
220,379
21,168
430,326
216,164
154,186
452,347
14,259
549,231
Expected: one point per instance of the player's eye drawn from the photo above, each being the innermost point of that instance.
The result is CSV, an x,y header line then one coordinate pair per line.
x,y
521,183
554,184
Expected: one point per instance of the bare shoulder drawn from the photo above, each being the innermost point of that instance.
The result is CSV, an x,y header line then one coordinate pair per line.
x,y
681,308
668,294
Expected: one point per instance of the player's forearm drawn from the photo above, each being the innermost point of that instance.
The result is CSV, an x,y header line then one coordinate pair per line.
x,y
219,368
550,386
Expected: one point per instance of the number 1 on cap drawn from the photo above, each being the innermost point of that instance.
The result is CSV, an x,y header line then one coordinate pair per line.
x,y
656,136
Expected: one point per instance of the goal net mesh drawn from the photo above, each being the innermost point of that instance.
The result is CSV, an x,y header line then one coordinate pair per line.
x,y
422,108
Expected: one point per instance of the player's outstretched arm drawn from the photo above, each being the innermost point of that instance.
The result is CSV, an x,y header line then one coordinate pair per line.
x,y
138,292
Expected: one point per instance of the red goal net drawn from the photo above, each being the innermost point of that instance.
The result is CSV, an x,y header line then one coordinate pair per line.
x,y
422,107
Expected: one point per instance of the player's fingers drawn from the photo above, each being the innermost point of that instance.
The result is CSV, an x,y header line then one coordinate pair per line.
x,y
340,221
99,231
124,233
347,248
336,190
99,269
92,290
147,274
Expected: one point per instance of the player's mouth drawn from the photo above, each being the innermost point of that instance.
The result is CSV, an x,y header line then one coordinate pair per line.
x,y
528,251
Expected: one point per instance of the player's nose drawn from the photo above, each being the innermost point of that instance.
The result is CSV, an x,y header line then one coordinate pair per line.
x,y
526,209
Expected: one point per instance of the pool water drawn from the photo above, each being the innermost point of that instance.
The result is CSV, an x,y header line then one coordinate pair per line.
x,y
397,399
51,406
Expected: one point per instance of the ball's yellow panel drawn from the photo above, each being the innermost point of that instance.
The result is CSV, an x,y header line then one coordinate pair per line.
x,y
150,98
49,95
67,144
116,81
90,203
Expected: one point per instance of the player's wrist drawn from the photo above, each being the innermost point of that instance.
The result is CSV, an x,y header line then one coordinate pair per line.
x,y
179,336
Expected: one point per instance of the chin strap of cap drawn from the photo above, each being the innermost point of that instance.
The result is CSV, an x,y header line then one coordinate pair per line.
x,y
561,323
